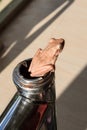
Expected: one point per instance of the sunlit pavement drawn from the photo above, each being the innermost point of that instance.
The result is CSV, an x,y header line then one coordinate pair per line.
x,y
32,29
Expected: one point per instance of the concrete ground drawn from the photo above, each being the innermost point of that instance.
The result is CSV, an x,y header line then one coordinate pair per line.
x,y
32,29
4,3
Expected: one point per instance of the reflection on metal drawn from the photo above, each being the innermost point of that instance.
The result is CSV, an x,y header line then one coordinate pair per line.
x,y
33,106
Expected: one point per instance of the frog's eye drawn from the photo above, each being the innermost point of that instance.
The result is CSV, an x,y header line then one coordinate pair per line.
x,y
61,45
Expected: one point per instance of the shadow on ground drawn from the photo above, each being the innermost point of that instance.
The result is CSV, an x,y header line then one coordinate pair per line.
x,y
72,105
35,12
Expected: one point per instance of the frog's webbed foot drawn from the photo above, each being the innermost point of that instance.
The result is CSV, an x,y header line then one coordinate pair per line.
x,y
43,70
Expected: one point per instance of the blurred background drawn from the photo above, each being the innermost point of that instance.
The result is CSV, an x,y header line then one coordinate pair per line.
x,y
30,28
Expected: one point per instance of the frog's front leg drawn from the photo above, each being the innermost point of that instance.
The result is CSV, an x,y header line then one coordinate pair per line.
x,y
35,60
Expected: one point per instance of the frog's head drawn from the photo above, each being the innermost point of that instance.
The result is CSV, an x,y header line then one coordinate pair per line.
x,y
58,43
56,46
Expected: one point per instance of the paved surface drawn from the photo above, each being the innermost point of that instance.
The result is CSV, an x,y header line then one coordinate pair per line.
x,y
9,9
4,3
40,21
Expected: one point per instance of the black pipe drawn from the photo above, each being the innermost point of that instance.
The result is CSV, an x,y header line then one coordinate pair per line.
x,y
33,106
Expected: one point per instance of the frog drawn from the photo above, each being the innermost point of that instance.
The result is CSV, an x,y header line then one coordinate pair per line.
x,y
44,59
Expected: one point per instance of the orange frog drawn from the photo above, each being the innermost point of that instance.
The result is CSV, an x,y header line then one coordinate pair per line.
x,y
44,59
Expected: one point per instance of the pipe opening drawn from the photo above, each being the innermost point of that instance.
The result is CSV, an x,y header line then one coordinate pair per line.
x,y
22,78
23,70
